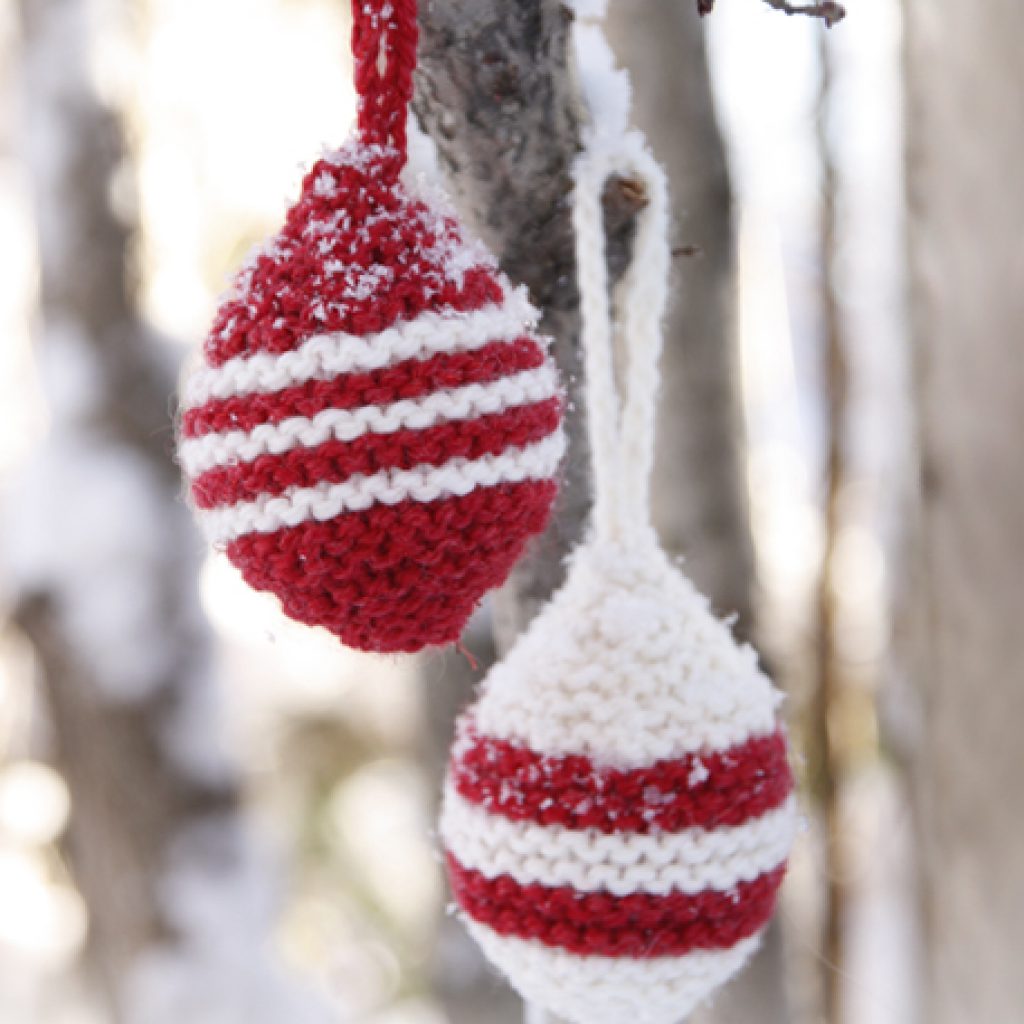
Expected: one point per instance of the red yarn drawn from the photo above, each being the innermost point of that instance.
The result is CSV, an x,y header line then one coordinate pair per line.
x,y
357,256
384,36
439,557
412,378
705,790
335,461
640,925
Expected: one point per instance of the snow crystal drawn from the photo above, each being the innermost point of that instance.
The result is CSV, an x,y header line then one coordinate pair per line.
x,y
325,184
698,773
368,282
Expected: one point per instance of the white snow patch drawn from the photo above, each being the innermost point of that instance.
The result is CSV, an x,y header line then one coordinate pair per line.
x,y
82,524
587,8
326,184
606,89
222,970
422,167
74,383
698,773
192,730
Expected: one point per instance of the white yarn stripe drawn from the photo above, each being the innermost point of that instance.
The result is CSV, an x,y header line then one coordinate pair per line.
x,y
389,487
327,355
468,402
611,990
691,861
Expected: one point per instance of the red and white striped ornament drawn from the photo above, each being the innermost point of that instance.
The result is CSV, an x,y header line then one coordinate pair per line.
x,y
373,432
618,812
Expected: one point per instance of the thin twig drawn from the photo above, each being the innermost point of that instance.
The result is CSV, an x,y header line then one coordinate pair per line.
x,y
829,11
830,742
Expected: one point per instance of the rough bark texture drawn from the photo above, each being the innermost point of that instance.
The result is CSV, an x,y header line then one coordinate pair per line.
x,y
495,91
964,79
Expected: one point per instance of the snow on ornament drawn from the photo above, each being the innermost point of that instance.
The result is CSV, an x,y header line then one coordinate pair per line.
x,y
619,811
374,429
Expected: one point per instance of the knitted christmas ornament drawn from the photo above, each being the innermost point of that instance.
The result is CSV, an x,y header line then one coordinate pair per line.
x,y
374,429
618,812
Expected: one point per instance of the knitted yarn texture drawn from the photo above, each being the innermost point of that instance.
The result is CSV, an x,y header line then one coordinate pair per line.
x,y
374,429
618,811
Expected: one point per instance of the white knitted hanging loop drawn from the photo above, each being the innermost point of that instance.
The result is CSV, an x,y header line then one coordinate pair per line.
x,y
621,428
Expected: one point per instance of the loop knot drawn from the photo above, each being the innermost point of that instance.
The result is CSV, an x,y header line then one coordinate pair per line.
x,y
621,426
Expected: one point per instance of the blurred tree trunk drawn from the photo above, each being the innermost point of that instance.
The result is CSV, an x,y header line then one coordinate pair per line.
x,y
965,79
106,565
496,92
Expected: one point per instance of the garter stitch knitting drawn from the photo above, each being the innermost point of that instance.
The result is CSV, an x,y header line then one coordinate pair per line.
x,y
374,429
618,811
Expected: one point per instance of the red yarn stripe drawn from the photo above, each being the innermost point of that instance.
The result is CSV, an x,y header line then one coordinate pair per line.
x,y
411,378
395,578
741,783
334,461
277,316
638,926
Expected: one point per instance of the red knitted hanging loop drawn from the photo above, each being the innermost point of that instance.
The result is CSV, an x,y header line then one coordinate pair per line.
x,y
384,35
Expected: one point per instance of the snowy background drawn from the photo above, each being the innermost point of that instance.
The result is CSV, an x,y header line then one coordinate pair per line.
x,y
227,101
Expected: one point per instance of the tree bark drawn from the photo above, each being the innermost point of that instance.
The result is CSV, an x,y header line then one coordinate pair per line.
x,y
965,130
495,91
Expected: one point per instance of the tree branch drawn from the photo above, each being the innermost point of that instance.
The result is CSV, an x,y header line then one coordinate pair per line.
x,y
829,11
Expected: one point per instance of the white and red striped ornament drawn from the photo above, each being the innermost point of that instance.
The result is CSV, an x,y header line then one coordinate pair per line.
x,y
374,430
618,812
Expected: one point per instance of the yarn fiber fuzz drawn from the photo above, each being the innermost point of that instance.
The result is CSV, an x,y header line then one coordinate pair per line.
x,y
373,431
618,812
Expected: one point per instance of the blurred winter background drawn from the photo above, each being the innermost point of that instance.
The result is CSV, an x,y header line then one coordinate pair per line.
x,y
210,814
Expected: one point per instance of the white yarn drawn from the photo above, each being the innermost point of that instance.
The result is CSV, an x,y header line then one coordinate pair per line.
x,y
468,402
323,502
628,666
607,990
621,432
328,355
690,861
